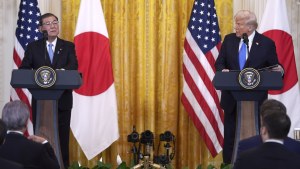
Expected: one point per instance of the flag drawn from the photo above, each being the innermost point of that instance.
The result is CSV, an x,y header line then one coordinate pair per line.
x,y
94,120
199,98
274,24
26,32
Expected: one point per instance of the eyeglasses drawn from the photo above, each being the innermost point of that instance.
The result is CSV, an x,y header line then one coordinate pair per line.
x,y
50,23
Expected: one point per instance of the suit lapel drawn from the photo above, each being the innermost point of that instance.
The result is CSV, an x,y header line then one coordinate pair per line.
x,y
57,51
254,49
236,45
44,52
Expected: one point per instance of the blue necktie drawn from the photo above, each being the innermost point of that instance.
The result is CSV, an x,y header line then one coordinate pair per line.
x,y
242,55
50,51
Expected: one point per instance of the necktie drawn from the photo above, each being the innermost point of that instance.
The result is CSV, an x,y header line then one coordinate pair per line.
x,y
50,51
242,55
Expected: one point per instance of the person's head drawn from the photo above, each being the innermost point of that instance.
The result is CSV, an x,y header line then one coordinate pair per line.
x,y
269,105
275,126
245,22
50,23
3,131
15,115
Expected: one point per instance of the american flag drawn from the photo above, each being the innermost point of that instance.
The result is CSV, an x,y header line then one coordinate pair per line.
x,y
199,98
26,32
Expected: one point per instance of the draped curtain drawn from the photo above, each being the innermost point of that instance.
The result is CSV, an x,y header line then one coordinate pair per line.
x,y
146,38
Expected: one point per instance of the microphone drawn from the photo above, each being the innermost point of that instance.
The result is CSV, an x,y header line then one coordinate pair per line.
x,y
45,34
45,37
245,37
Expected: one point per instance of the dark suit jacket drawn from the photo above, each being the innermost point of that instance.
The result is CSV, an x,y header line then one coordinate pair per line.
x,y
30,154
252,142
36,55
7,164
262,54
269,155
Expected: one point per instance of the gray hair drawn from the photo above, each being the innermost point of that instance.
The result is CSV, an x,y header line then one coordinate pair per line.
x,y
15,115
248,16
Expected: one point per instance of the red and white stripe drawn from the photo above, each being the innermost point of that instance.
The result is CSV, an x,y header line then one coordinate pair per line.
x,y
200,98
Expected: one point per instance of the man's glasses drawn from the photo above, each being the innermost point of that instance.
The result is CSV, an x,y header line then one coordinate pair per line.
x,y
50,23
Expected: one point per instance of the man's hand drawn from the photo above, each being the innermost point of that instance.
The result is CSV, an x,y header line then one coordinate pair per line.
x,y
278,69
37,139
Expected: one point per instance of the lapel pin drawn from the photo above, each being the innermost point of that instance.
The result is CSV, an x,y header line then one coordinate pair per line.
x,y
59,51
257,43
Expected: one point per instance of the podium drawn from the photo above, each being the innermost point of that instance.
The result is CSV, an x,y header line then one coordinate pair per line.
x,y
47,102
247,124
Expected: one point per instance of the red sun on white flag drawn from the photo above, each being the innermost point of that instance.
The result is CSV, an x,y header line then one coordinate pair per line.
x,y
275,25
94,120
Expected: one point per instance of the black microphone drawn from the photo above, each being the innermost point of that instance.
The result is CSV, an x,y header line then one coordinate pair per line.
x,y
45,37
45,34
245,38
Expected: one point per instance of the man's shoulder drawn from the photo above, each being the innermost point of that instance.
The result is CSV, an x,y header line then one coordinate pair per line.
x,y
253,139
65,42
292,145
35,43
263,38
22,141
231,35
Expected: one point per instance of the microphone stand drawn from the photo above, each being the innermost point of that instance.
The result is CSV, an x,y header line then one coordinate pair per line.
x,y
45,37
146,163
246,41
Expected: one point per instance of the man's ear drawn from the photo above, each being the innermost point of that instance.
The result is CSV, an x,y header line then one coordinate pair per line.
x,y
264,133
263,130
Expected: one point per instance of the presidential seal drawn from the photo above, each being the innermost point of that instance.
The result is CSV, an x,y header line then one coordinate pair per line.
x,y
249,78
45,77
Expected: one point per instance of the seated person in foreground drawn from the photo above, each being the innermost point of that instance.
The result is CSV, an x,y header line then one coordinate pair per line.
x,y
291,144
32,152
6,164
272,154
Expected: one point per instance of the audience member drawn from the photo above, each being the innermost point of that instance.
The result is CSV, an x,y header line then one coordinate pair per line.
x,y
6,164
291,144
35,152
2,131
272,154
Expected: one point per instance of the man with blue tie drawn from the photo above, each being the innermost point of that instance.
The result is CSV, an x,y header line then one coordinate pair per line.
x,y
57,54
242,49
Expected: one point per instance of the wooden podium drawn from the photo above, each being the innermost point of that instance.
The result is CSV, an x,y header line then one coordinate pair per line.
x,y
247,123
47,102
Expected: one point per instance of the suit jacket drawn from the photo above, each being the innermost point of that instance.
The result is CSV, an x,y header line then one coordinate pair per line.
x,y
269,155
36,55
7,164
30,154
252,142
262,54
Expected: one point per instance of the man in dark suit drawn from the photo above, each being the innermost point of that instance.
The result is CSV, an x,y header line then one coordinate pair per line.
x,y
262,53
57,54
255,141
6,164
35,152
272,154
2,131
